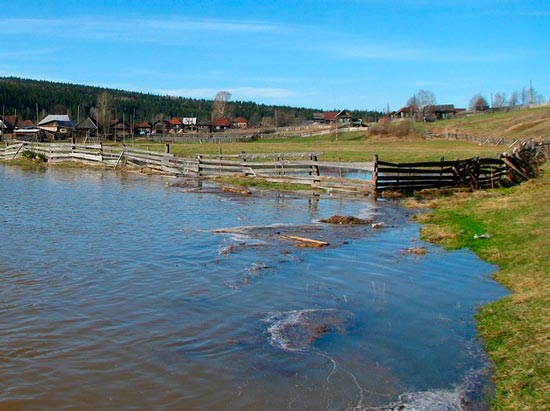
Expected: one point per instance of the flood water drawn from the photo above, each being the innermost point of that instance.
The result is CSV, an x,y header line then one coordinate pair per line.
x,y
122,292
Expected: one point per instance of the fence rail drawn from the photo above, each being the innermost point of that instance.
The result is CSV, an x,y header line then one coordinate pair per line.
x,y
510,168
304,168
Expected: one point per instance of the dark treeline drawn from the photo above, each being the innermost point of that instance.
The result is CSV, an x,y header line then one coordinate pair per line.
x,y
34,99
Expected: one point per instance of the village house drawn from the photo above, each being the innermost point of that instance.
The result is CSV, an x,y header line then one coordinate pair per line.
x,y
8,124
221,124
440,112
87,128
176,125
58,125
240,122
162,127
404,112
143,128
189,123
119,129
333,117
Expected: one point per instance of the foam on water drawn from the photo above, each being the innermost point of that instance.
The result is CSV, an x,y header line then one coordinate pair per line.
x,y
297,330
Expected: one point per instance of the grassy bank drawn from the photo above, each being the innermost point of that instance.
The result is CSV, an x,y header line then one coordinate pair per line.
x,y
350,147
524,123
516,329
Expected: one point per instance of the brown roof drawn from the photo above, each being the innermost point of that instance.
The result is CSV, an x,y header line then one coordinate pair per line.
x,y
12,120
240,119
143,124
222,122
26,123
331,115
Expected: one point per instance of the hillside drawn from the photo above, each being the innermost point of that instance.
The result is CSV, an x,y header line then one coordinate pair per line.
x,y
30,99
520,124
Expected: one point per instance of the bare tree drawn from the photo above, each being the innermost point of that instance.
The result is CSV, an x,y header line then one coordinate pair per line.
x,y
478,103
103,110
499,99
514,99
422,99
220,106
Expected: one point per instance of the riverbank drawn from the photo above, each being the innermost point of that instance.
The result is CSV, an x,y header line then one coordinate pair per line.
x,y
509,228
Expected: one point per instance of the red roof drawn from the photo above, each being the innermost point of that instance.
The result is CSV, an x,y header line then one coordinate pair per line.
x,y
26,123
331,115
240,119
176,121
12,120
222,122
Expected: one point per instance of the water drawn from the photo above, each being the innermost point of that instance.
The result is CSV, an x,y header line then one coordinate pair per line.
x,y
123,292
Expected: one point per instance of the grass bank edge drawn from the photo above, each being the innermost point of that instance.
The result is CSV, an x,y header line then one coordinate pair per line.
x,y
515,329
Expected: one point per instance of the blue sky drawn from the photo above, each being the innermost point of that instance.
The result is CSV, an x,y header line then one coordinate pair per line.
x,y
353,54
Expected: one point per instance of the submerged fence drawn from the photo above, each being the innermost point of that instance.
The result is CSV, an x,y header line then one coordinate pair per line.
x,y
305,168
294,168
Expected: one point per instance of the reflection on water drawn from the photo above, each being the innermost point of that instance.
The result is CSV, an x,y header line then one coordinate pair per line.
x,y
120,292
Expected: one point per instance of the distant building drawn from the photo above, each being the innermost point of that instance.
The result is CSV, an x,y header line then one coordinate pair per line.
x,y
60,125
240,122
439,112
162,127
143,128
333,117
175,124
189,123
221,124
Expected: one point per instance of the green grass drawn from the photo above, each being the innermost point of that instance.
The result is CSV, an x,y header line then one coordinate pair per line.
x,y
516,329
350,147
239,181
520,124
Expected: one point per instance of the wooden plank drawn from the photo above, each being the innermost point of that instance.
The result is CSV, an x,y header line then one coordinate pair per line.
x,y
305,242
408,170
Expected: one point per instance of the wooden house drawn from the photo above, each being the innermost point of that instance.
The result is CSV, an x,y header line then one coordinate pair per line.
x,y
120,129
221,124
333,117
240,122
143,128
59,126
439,112
176,125
189,123
87,128
161,127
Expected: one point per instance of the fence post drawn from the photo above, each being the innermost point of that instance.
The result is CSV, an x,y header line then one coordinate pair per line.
x,y
167,148
314,167
199,168
375,174
441,160
243,164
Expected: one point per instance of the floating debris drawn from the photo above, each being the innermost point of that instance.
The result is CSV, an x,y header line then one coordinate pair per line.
x,y
235,190
297,330
378,225
302,242
420,250
347,220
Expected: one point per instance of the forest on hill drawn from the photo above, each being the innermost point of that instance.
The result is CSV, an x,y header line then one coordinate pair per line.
x,y
34,99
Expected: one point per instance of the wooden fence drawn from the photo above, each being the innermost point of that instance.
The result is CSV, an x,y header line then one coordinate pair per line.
x,y
296,168
477,173
304,168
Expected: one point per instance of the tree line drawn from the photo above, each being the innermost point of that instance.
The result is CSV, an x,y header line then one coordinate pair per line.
x,y
34,99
